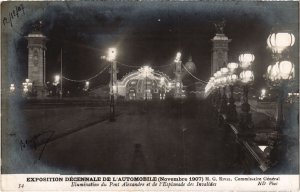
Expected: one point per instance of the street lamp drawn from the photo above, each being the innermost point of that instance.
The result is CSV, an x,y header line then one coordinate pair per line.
x,y
283,71
112,54
224,72
262,94
279,41
178,76
27,86
56,79
12,88
55,83
246,78
86,86
178,57
232,79
246,60
218,84
279,75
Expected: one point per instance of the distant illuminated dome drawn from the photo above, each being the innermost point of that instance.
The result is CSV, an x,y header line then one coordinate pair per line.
x,y
190,65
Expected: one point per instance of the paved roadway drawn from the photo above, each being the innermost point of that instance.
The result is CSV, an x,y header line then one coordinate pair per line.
x,y
147,138
151,138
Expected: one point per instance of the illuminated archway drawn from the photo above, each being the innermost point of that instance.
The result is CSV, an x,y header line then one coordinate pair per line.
x,y
144,83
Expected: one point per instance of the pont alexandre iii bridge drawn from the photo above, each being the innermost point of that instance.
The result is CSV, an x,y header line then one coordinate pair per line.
x,y
150,123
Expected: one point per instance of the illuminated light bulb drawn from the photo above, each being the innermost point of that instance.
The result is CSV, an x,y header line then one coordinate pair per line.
x,y
246,60
246,76
232,66
286,69
178,57
56,78
224,70
280,41
112,54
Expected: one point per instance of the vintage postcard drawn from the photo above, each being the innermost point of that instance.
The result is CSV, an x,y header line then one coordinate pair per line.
x,y
149,95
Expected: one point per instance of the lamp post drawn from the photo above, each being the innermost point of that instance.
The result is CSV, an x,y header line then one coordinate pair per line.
x,y
262,94
12,88
86,86
55,83
246,78
27,87
282,72
112,54
218,87
224,72
232,79
162,88
178,80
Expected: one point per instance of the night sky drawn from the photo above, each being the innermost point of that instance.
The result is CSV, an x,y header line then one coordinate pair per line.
x,y
146,33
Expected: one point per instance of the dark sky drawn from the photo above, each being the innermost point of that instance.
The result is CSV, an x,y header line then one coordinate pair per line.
x,y
151,33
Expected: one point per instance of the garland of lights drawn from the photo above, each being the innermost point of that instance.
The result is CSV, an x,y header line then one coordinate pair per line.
x,y
133,66
84,80
136,66
193,75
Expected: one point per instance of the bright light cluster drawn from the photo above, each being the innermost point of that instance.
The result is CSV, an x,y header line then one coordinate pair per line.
x,y
112,54
12,87
225,76
278,42
146,71
27,85
246,76
282,70
178,57
246,60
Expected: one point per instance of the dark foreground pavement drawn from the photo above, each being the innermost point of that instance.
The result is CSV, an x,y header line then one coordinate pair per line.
x,y
146,138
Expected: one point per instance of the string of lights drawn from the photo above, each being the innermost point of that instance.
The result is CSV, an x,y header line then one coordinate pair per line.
x,y
84,80
193,75
138,66
133,66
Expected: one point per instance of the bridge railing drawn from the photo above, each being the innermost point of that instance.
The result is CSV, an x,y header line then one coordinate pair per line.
x,y
260,145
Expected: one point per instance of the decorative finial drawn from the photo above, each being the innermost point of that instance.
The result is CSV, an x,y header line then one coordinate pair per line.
x,y
220,26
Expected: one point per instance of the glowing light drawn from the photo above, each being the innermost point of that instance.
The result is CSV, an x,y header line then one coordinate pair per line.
x,y
246,76
56,78
280,41
114,88
178,57
286,69
232,66
162,80
282,70
27,80
87,83
263,92
146,71
12,87
218,73
246,60
112,54
224,70
25,88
